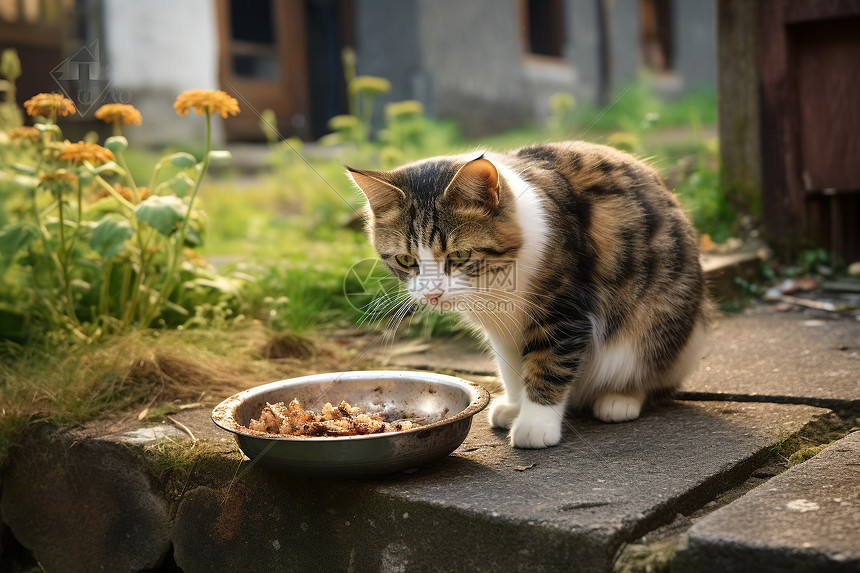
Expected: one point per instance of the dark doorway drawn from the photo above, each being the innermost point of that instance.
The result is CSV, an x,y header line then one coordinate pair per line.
x,y
330,30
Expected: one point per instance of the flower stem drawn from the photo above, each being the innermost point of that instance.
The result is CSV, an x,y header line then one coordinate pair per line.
x,y
170,278
66,282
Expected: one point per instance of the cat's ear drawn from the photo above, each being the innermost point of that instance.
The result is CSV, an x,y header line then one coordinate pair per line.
x,y
477,182
381,195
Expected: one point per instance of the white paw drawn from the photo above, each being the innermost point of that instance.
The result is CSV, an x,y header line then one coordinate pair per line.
x,y
503,413
618,407
537,426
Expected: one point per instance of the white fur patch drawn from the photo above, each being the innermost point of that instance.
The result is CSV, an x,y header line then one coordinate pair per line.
x,y
532,221
505,409
431,277
614,366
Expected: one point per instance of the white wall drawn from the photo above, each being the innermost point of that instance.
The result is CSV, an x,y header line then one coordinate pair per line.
x,y
156,49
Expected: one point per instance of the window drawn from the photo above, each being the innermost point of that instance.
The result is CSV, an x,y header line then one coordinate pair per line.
x,y
254,41
655,21
543,27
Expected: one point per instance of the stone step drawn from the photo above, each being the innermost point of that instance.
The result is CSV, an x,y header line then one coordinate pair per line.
x,y
805,519
79,499
781,357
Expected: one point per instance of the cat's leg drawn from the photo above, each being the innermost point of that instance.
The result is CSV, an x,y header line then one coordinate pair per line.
x,y
619,406
549,372
505,409
543,404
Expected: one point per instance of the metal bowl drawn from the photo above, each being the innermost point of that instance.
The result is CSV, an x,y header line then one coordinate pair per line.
x,y
443,404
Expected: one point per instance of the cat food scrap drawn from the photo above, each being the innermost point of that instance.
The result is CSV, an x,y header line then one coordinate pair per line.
x,y
341,420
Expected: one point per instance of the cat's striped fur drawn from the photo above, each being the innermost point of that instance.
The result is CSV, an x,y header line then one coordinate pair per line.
x,y
607,301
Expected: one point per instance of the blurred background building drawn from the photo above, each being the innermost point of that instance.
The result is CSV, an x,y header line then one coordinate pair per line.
x,y
489,64
788,74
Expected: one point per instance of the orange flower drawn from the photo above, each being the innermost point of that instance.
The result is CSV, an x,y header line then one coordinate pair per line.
x,y
206,101
25,132
49,105
121,113
125,192
80,152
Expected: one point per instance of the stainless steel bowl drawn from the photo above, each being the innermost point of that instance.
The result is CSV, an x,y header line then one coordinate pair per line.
x,y
445,405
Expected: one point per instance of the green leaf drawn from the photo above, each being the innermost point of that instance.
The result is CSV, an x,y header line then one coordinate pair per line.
x,y
109,236
109,166
116,144
13,238
23,168
180,184
162,213
183,160
23,181
220,156
193,238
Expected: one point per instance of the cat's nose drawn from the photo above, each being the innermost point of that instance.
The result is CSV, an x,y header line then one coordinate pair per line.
x,y
432,295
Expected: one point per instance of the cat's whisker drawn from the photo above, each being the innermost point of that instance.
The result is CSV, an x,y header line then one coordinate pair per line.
x,y
495,318
522,304
382,307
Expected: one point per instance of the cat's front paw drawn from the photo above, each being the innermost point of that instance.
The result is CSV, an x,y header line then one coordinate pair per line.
x,y
503,413
618,407
537,426
535,434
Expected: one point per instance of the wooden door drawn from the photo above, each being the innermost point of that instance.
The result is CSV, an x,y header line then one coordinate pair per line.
x,y
809,54
263,63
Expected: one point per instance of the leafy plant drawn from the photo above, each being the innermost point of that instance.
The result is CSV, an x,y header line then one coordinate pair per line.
x,y
93,251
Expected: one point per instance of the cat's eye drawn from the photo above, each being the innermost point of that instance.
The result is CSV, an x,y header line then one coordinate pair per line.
x,y
458,258
407,261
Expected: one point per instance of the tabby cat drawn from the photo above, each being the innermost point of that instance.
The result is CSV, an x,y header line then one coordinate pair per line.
x,y
575,260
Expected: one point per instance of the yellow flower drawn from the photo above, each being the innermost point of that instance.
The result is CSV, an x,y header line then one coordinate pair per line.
x,y
404,109
49,105
25,132
121,113
370,85
623,140
80,152
203,101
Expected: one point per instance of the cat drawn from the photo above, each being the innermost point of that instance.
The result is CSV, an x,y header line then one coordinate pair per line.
x,y
577,262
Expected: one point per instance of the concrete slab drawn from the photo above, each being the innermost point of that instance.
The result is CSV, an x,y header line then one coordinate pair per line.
x,y
806,519
464,355
785,357
83,506
489,507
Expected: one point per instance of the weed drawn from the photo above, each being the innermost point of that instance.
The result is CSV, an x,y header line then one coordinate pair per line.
x,y
171,454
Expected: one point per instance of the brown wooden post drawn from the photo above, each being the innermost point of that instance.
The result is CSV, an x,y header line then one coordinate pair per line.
x,y
740,143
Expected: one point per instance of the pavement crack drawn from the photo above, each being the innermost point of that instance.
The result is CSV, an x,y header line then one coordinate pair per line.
x,y
583,505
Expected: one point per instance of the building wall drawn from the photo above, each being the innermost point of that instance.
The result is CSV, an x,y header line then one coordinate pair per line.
x,y
156,50
582,50
465,60
388,44
626,57
472,53
696,38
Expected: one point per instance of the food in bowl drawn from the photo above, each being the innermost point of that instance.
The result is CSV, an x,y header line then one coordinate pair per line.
x,y
292,419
